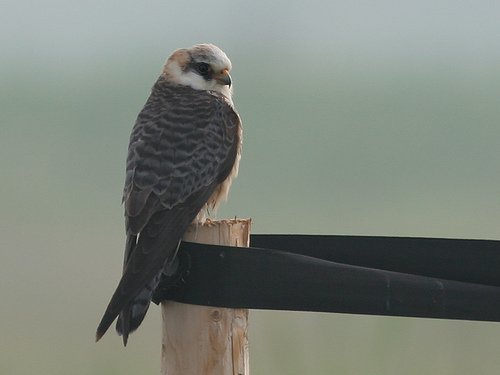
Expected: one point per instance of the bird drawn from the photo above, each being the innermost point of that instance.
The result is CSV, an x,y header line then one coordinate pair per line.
x,y
184,152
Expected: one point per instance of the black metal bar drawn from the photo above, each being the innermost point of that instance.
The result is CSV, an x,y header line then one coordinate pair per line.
x,y
341,274
474,261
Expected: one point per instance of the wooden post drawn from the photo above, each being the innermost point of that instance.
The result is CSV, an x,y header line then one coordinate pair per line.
x,y
205,340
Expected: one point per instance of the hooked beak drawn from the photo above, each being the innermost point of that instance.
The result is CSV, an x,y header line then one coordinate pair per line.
x,y
223,78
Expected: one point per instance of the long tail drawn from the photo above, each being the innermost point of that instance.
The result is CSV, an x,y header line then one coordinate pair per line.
x,y
144,262
133,313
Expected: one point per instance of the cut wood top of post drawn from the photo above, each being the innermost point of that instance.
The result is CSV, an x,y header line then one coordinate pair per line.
x,y
235,232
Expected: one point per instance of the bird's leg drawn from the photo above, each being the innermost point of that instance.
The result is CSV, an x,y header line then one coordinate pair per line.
x,y
172,263
174,274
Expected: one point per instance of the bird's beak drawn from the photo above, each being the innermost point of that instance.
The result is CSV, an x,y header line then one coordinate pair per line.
x,y
223,78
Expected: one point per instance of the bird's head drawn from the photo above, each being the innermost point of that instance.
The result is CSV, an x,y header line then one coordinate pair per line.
x,y
202,67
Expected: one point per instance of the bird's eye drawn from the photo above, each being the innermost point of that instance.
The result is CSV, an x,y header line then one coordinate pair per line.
x,y
203,68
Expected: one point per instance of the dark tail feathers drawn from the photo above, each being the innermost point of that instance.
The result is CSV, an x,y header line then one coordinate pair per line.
x,y
133,313
131,316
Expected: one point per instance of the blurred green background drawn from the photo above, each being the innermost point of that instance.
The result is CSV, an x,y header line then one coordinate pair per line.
x,y
360,117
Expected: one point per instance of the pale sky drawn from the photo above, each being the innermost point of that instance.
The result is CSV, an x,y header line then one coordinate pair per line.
x,y
57,32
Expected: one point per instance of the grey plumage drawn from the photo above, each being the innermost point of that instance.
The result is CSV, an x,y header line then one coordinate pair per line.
x,y
184,145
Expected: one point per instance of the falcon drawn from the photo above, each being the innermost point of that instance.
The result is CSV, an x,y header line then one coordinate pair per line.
x,y
183,154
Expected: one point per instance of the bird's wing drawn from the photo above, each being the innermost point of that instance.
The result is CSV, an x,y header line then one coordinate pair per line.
x,y
183,141
183,145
